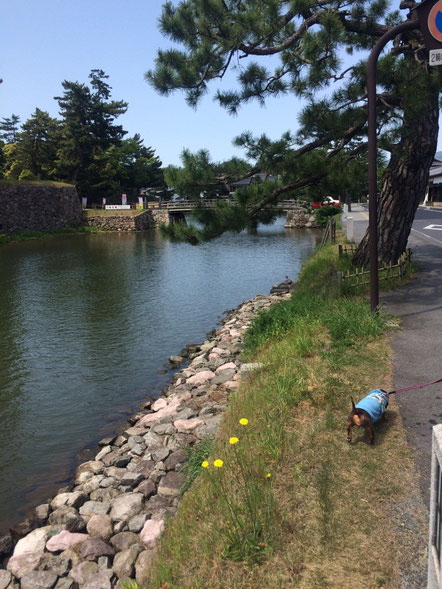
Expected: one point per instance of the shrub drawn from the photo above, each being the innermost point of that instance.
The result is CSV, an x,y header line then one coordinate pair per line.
x,y
325,211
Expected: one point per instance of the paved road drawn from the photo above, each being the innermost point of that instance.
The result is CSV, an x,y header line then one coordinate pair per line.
x,y
417,347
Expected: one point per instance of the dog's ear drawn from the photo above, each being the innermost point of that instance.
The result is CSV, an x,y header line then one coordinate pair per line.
x,y
352,404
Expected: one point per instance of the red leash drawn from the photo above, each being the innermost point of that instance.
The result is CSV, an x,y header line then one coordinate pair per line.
x,y
417,386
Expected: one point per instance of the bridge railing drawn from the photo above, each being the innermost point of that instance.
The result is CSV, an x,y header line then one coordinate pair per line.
x,y
182,205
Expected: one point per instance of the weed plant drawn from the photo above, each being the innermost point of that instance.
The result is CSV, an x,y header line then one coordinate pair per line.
x,y
195,456
246,498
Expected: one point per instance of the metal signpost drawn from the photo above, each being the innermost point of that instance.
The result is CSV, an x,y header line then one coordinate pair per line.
x,y
429,20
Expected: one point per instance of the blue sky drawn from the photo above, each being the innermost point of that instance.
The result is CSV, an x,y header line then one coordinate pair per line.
x,y
43,42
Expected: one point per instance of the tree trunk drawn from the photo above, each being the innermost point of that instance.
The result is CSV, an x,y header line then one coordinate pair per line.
x,y
404,184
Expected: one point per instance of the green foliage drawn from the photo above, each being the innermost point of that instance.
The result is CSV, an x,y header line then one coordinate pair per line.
x,y
33,155
346,320
195,178
195,456
130,584
200,177
242,487
325,212
88,131
135,166
85,147
9,128
316,301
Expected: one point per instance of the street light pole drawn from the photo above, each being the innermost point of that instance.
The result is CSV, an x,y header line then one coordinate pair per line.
x,y
408,25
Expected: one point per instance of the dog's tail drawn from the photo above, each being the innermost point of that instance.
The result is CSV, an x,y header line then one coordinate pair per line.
x,y
353,406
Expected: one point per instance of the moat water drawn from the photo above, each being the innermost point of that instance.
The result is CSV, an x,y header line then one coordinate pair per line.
x,y
88,321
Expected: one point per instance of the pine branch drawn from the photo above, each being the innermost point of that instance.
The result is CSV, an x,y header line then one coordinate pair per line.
x,y
289,42
273,197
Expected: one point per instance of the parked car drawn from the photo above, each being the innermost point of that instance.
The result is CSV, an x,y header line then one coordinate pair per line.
x,y
328,200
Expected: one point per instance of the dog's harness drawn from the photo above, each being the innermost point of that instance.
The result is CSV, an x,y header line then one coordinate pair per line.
x,y
375,403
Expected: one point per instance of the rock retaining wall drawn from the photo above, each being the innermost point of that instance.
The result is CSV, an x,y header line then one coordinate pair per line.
x,y
148,219
35,207
300,219
104,528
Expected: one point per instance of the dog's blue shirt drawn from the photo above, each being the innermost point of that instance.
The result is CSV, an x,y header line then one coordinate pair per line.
x,y
375,404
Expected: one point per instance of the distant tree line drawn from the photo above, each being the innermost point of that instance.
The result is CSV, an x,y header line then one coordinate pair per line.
x,y
84,146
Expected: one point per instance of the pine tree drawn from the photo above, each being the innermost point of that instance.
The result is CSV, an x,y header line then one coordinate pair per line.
x,y
136,166
37,146
88,131
9,127
316,51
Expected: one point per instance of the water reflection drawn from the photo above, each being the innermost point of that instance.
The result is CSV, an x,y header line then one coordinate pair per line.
x,y
87,321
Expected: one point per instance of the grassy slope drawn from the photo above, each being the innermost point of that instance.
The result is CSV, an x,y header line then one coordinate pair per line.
x,y
34,182
112,212
329,514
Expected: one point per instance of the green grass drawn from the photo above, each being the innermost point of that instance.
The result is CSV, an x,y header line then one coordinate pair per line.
x,y
112,212
317,349
195,456
34,182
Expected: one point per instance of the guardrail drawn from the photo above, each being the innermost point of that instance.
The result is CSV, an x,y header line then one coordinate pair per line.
x,y
187,205
212,203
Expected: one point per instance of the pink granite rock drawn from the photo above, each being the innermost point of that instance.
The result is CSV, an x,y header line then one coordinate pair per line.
x,y
174,403
220,351
151,531
64,540
227,366
187,425
135,431
201,377
159,404
34,542
235,333
20,565
101,526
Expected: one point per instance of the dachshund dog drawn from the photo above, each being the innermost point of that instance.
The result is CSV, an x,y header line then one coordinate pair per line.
x,y
367,412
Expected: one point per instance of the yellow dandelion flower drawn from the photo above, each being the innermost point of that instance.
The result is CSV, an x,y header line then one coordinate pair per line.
x,y
268,475
218,463
233,440
204,464
243,421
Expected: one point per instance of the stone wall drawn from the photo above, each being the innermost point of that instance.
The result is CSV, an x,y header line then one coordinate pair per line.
x,y
148,219
300,218
120,222
160,216
38,207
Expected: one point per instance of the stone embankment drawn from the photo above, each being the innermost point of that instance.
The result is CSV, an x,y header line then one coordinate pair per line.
x,y
138,222
300,218
103,528
38,207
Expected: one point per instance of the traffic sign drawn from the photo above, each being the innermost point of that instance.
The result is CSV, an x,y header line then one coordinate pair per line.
x,y
434,21
430,21
435,57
